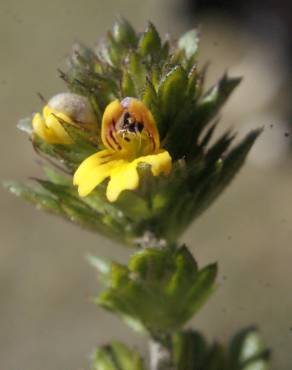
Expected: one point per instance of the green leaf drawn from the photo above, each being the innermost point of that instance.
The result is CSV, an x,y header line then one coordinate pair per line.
x,y
128,86
216,358
171,94
97,87
25,125
123,33
72,155
84,57
102,360
102,265
203,287
148,290
150,99
194,116
245,352
248,352
62,199
116,356
172,91
115,50
137,70
219,148
36,196
127,359
190,350
193,82
209,105
237,156
81,136
189,42
150,43
56,176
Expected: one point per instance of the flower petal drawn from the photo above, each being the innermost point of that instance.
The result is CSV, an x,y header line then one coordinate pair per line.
x,y
123,177
40,128
111,114
94,170
143,114
49,128
52,122
160,162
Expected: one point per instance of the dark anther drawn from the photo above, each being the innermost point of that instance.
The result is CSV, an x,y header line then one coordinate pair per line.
x,y
132,127
140,126
127,139
126,118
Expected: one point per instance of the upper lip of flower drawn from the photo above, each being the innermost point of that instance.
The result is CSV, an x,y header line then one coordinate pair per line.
x,y
130,136
129,126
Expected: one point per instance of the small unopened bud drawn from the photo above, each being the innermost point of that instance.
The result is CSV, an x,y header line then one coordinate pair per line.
x,y
75,106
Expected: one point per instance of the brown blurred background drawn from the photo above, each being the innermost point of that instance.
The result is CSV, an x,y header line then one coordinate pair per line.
x,y
47,318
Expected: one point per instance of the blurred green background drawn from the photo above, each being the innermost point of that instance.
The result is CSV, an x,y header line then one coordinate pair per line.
x,y
47,318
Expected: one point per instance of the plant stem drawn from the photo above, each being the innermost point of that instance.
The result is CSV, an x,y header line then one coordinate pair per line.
x,y
160,357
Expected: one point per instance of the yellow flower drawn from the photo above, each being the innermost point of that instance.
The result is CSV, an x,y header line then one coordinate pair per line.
x,y
130,136
65,107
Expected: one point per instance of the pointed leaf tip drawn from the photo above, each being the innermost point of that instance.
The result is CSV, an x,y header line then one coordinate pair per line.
x,y
102,265
171,93
189,42
150,42
117,356
124,33
248,352
25,125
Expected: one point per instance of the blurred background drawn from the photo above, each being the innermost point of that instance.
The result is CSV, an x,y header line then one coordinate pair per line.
x,y
47,318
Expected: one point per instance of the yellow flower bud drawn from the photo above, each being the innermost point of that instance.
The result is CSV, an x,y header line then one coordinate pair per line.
x,y
65,107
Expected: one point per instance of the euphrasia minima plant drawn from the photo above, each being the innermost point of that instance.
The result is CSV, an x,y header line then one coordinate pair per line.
x,y
129,152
